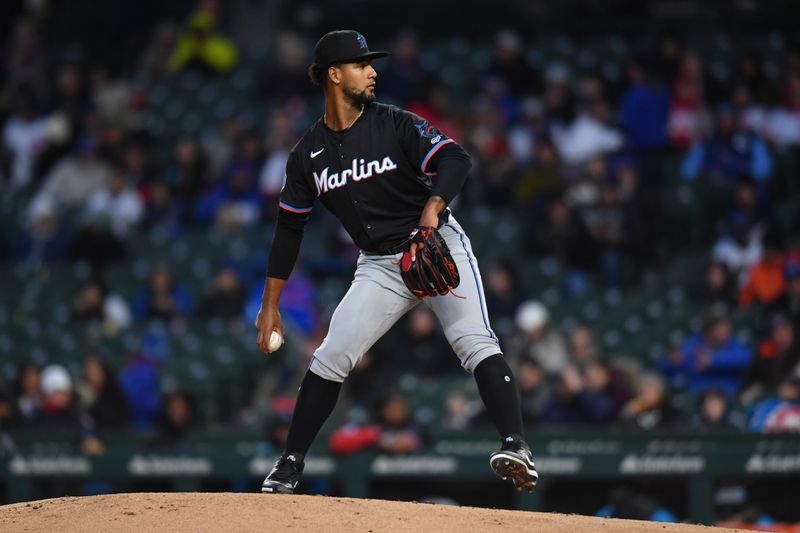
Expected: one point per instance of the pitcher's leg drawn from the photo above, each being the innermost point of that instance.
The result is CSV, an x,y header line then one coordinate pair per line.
x,y
365,313
463,314
465,321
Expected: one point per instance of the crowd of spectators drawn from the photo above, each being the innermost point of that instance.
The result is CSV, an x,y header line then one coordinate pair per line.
x,y
581,157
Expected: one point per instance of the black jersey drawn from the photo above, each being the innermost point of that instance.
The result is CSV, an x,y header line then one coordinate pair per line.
x,y
375,177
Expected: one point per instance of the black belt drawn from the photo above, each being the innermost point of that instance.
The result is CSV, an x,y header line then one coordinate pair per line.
x,y
400,248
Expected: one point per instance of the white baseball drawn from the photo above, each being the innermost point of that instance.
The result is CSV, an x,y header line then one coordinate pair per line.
x,y
275,341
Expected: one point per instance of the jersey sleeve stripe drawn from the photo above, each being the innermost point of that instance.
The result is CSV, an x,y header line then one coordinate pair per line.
x,y
433,152
294,209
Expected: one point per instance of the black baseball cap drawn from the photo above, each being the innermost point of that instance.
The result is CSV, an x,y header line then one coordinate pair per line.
x,y
343,46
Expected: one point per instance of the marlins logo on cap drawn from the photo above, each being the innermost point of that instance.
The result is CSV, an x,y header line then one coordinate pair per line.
x,y
362,42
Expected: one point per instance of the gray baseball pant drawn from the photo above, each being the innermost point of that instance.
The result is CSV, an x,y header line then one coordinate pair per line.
x,y
377,299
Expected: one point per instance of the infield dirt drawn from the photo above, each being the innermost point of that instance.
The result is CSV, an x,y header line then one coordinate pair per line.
x,y
201,512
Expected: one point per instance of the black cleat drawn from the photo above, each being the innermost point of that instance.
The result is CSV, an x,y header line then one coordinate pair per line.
x,y
515,461
285,475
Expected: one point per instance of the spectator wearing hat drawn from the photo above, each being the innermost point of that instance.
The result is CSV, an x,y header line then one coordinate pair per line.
x,y
60,411
537,340
711,358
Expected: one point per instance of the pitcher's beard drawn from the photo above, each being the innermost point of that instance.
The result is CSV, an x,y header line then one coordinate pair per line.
x,y
361,98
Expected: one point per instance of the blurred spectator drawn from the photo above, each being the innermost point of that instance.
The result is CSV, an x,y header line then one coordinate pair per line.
x,y
731,152
280,140
403,79
44,240
503,294
394,432
534,390
687,116
611,227
118,203
163,298
718,288
581,399
187,174
219,144
139,379
73,180
508,63
740,248
290,66
100,395
783,121
59,412
750,75
155,59
537,340
71,99
710,358
95,303
227,296
779,413
777,357
111,97
176,422
298,302
28,393
426,351
715,412
137,165
543,178
651,407
460,411
24,136
25,61
590,135
644,109
235,203
163,214
765,282
565,235
200,48
582,347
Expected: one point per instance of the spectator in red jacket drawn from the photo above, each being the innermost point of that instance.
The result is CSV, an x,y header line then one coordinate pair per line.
x,y
394,433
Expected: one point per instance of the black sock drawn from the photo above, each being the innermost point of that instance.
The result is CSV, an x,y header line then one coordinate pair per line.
x,y
498,390
315,402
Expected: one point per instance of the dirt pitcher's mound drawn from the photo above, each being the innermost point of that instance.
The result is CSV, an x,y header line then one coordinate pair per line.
x,y
200,512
